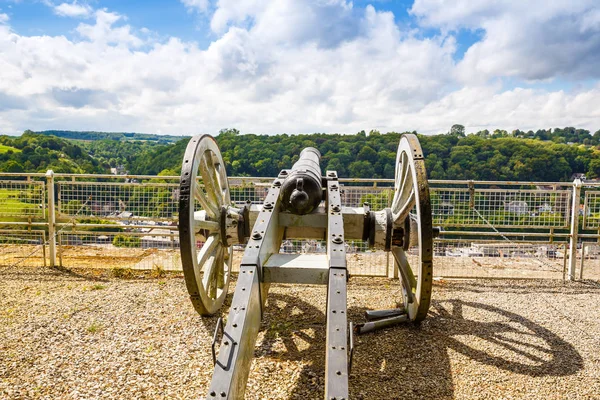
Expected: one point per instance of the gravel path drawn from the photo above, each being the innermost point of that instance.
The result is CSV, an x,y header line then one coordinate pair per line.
x,y
83,334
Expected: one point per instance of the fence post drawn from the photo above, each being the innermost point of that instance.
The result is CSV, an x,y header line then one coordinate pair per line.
x,y
51,217
574,228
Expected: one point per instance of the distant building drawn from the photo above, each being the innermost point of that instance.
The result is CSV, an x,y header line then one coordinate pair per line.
x,y
125,215
118,170
517,207
446,208
160,239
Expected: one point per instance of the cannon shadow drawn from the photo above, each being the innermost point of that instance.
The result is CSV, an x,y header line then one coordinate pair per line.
x,y
411,360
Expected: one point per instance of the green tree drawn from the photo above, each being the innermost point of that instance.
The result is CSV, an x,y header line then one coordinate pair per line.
x,y
457,130
361,169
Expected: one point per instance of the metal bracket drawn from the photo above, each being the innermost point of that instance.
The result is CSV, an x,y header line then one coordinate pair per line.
x,y
389,229
471,194
218,328
351,334
366,224
244,224
381,324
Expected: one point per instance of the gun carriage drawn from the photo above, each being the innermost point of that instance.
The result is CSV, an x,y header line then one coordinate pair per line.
x,y
301,203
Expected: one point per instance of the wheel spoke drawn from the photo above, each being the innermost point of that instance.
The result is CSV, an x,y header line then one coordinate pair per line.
x,y
209,276
405,192
209,207
207,170
408,278
405,197
206,252
221,178
405,204
200,222
220,273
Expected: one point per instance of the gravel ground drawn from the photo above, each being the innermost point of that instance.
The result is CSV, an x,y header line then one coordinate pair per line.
x,y
83,334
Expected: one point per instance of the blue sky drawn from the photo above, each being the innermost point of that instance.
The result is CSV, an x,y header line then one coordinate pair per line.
x,y
173,18
194,66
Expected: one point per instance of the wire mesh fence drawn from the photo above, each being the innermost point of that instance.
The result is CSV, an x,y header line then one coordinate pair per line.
x,y
22,247
21,199
589,258
118,200
499,259
129,222
591,216
501,207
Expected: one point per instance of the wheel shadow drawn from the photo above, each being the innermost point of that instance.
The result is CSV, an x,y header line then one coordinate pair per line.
x,y
413,359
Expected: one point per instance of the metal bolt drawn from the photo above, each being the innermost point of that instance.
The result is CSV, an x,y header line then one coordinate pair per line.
x,y
277,183
283,173
256,236
336,208
331,174
268,206
337,240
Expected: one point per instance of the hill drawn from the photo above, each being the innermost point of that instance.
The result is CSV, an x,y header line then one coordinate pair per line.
x,y
37,153
544,155
448,156
120,136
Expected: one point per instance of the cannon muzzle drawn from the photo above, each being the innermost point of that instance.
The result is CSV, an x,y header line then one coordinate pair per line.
x,y
302,191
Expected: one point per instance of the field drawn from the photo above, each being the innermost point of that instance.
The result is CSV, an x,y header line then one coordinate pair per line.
x,y
22,204
4,148
82,333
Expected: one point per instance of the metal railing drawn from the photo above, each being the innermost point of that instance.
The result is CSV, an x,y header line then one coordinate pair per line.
x,y
489,228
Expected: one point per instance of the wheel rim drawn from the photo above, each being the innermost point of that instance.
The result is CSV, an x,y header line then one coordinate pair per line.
x,y
206,270
411,208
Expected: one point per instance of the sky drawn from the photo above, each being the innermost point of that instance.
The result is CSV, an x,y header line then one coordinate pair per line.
x,y
187,67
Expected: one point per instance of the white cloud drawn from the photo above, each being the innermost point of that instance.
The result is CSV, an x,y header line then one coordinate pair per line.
x,y
103,30
531,40
276,67
73,10
196,5
4,18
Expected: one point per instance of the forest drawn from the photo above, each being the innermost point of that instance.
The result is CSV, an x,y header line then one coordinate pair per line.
x,y
542,155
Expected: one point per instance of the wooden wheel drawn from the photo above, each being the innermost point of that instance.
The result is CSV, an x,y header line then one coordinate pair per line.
x,y
411,214
204,207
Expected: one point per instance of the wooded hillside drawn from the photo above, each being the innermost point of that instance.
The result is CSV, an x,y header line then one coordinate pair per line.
x,y
544,155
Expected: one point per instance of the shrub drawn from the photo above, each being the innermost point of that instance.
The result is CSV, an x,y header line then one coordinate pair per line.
x,y
125,273
127,241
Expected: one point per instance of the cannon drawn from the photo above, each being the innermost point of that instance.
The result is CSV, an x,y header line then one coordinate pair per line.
x,y
301,203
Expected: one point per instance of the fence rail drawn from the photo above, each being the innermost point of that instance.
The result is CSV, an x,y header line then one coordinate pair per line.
x,y
489,228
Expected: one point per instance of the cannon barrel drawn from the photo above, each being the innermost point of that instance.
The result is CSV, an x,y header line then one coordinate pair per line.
x,y
302,190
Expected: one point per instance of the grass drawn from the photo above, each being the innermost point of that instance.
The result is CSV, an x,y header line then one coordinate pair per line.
x,y
94,327
4,149
158,271
98,287
10,203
